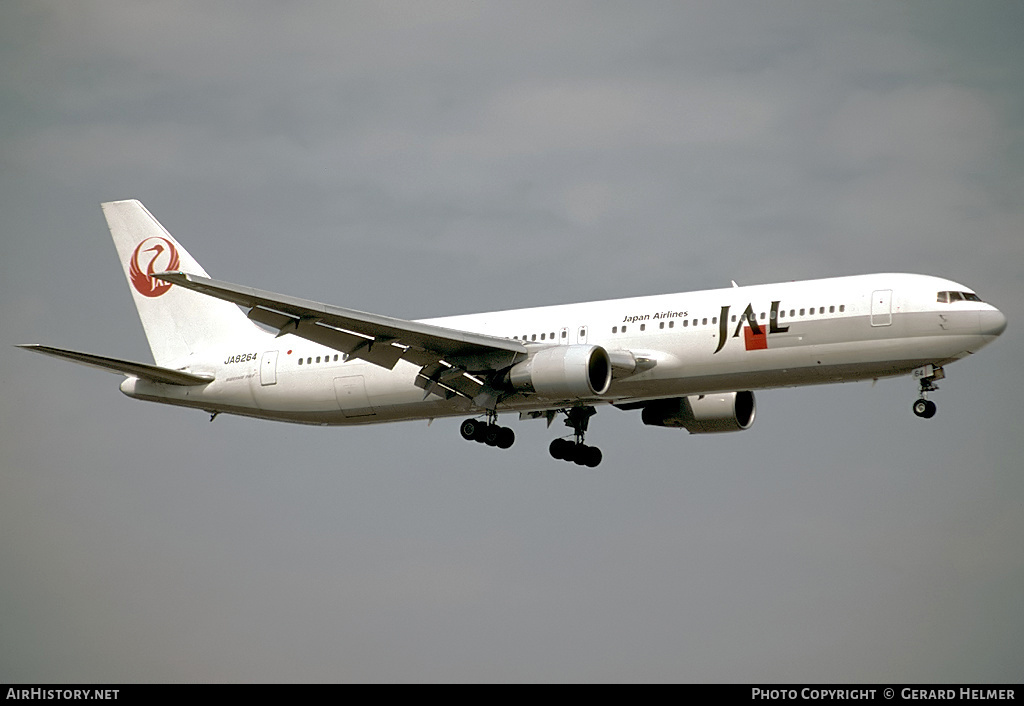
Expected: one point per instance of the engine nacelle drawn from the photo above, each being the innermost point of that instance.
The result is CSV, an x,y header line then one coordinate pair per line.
x,y
564,372
703,414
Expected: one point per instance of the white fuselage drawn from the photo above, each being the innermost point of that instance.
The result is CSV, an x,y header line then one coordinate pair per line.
x,y
802,333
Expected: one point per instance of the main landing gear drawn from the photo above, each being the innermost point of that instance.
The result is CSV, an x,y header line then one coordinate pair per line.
x,y
487,432
579,453
928,374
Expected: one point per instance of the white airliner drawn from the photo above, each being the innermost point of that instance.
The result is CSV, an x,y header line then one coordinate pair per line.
x,y
686,360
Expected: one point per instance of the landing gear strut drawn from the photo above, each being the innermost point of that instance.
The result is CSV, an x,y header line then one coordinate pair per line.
x,y
928,374
579,453
487,432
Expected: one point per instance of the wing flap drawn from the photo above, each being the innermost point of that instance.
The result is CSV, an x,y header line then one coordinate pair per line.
x,y
144,371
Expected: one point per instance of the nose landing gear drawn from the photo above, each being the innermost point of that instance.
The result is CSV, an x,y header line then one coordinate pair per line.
x,y
927,375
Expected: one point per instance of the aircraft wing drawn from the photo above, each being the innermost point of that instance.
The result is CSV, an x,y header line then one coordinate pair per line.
x,y
451,361
143,371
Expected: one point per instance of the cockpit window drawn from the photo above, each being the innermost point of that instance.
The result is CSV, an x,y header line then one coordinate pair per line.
x,y
950,297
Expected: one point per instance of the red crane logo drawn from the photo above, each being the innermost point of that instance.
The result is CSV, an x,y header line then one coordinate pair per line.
x,y
164,259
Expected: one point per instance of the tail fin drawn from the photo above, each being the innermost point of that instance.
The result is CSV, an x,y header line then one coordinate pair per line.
x,y
178,322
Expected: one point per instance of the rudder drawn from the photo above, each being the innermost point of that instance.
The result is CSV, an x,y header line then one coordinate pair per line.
x,y
178,322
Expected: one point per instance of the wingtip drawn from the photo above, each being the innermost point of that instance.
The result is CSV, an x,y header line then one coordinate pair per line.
x,y
172,276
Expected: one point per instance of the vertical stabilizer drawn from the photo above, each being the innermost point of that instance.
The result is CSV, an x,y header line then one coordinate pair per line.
x,y
178,322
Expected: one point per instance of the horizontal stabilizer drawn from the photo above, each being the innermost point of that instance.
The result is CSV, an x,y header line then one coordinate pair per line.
x,y
144,371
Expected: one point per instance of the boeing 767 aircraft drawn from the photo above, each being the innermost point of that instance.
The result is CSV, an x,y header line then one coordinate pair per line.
x,y
689,360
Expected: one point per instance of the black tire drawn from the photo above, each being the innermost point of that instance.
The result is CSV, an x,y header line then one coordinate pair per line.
x,y
468,429
491,434
580,454
480,435
924,409
593,456
506,437
560,449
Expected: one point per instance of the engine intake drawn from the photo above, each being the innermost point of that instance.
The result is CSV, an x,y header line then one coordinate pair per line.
x,y
564,372
703,414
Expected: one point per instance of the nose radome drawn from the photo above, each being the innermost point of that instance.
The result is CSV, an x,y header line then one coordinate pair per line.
x,y
992,323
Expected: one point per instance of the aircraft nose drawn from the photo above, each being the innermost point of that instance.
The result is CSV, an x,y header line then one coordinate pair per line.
x,y
992,323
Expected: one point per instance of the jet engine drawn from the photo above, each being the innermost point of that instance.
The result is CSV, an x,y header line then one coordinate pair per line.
x,y
703,414
564,372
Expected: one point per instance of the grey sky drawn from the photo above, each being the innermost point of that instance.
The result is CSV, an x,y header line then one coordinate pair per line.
x,y
423,159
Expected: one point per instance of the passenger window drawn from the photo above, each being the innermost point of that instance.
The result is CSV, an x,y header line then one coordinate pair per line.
x,y
661,325
792,312
831,310
704,322
615,329
643,327
533,337
801,312
842,308
300,361
686,322
623,329
714,319
671,324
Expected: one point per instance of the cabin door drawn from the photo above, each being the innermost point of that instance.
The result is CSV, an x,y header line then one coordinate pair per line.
x,y
268,368
881,307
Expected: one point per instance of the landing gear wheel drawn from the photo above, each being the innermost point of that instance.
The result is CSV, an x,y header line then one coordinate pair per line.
x,y
487,433
578,452
491,434
506,437
924,409
469,428
561,449
589,456
480,435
